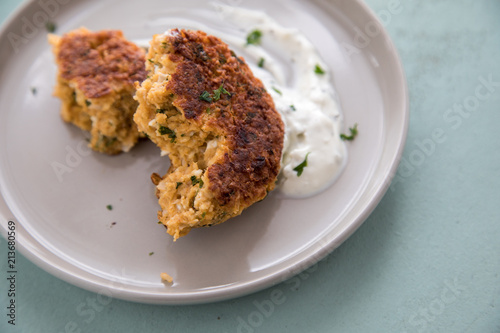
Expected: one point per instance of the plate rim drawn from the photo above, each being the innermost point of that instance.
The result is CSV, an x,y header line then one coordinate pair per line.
x,y
28,245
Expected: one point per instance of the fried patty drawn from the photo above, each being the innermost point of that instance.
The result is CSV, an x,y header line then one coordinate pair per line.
x,y
204,108
95,81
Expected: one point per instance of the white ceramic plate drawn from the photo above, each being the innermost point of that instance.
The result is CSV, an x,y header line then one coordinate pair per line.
x,y
63,224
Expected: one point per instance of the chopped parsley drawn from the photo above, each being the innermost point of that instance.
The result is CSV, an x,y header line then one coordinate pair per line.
x,y
300,168
167,131
205,96
254,37
219,91
277,90
160,110
261,62
319,70
110,141
164,45
87,102
177,185
109,207
151,253
209,111
195,181
50,26
293,107
151,61
354,133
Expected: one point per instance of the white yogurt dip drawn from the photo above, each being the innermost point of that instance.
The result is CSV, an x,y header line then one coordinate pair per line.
x,y
305,98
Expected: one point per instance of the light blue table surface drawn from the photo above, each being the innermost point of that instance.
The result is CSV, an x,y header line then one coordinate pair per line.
x,y
426,260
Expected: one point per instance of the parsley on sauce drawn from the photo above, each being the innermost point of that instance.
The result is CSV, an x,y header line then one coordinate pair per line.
x,y
319,70
277,90
254,37
300,168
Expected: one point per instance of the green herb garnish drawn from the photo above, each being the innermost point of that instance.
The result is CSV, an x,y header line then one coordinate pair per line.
x,y
277,90
87,102
160,110
110,141
109,207
151,253
205,96
300,168
319,70
151,61
254,37
195,181
261,62
177,185
354,133
293,107
167,131
50,26
220,91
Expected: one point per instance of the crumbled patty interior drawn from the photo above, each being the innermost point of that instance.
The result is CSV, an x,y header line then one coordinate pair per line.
x,y
96,75
204,108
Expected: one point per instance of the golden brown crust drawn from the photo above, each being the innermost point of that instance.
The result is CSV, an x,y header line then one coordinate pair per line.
x,y
96,79
95,61
247,117
204,108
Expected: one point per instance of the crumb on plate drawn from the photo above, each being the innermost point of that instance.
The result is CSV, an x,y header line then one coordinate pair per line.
x,y
166,277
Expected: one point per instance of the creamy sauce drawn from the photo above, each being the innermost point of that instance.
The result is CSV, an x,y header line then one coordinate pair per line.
x,y
305,99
